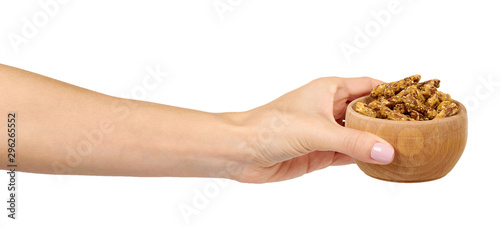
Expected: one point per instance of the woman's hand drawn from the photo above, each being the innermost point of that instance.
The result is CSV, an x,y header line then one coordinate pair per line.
x,y
302,131
71,130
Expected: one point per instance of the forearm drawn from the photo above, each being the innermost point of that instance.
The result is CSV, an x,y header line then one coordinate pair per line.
x,y
64,129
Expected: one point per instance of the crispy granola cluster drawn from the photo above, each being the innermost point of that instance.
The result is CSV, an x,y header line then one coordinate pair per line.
x,y
408,100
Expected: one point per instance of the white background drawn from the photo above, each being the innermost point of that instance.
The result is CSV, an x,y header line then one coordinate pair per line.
x,y
246,58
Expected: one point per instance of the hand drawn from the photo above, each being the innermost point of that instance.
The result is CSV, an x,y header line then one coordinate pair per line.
x,y
297,133
302,131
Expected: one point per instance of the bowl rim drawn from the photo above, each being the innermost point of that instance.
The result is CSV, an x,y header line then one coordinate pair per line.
x,y
461,111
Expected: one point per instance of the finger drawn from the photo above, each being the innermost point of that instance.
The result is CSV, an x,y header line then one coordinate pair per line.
x,y
349,89
342,159
357,87
317,160
363,146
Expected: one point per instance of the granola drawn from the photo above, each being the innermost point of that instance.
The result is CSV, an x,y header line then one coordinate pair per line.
x,y
408,100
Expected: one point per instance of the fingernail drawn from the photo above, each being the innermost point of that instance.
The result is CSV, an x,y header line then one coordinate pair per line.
x,y
382,153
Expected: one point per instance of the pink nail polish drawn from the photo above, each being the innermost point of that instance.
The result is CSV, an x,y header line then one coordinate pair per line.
x,y
382,153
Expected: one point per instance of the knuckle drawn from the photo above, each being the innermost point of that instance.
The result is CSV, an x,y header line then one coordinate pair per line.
x,y
326,80
318,81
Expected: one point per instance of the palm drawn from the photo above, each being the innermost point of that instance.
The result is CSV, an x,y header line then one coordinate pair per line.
x,y
294,167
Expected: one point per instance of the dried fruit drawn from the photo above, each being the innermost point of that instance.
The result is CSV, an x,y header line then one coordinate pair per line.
x,y
408,100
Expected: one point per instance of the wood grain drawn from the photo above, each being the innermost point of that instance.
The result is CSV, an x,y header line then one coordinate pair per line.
x,y
424,150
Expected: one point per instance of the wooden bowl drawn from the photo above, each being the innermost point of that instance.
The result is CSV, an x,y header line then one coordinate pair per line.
x,y
424,150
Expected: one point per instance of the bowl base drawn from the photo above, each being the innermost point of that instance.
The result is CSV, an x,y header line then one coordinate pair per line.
x,y
406,181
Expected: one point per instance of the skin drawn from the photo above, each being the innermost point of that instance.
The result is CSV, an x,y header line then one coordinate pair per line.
x,y
65,129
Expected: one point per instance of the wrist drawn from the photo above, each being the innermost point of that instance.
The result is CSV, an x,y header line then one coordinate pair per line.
x,y
234,151
237,129
260,134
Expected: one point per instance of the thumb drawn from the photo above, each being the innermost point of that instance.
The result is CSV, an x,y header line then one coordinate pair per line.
x,y
361,145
